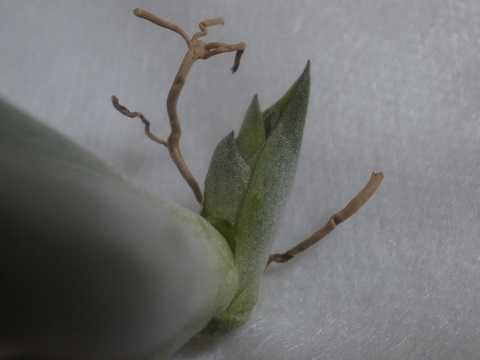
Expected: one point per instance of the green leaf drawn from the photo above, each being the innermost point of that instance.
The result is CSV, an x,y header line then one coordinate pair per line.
x,y
271,117
267,193
225,185
273,114
251,137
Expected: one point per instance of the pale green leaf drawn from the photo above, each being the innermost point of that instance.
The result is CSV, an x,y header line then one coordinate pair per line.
x,y
225,184
267,193
251,137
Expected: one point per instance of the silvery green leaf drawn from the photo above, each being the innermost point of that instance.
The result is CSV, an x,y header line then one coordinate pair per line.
x,y
225,185
271,117
251,137
266,195
273,114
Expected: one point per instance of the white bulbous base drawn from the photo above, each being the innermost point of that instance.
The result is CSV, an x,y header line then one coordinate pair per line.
x,y
91,267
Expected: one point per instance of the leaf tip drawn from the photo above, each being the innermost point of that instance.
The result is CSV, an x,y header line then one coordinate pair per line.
x,y
256,104
306,72
231,135
307,66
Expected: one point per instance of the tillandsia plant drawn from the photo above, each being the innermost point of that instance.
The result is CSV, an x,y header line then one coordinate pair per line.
x,y
94,268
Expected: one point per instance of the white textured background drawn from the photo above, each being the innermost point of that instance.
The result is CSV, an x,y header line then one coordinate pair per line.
x,y
395,87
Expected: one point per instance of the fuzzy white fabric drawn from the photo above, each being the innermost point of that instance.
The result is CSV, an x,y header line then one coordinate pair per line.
x,y
395,87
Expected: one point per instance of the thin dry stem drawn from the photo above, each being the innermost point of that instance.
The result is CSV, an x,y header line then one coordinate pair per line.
x,y
197,49
122,109
163,23
352,207
203,25
220,48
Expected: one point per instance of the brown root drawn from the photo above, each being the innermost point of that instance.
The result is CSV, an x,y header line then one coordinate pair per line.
x,y
197,49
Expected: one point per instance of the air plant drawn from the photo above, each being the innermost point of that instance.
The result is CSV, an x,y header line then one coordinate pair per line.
x,y
95,268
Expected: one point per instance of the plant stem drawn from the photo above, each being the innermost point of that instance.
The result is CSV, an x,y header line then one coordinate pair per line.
x,y
197,49
352,207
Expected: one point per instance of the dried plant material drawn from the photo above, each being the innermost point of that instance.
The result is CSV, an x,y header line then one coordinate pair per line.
x,y
197,49
352,207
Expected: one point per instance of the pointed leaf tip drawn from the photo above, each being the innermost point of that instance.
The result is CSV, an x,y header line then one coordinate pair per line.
x,y
251,136
298,90
305,76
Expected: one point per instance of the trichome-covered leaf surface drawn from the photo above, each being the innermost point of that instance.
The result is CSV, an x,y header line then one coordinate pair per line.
x,y
225,186
269,143
251,137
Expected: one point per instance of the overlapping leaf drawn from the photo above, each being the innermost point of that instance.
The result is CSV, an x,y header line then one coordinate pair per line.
x,y
251,137
225,186
273,170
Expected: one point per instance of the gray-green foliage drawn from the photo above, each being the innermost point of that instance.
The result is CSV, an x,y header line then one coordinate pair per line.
x,y
225,186
251,137
249,195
